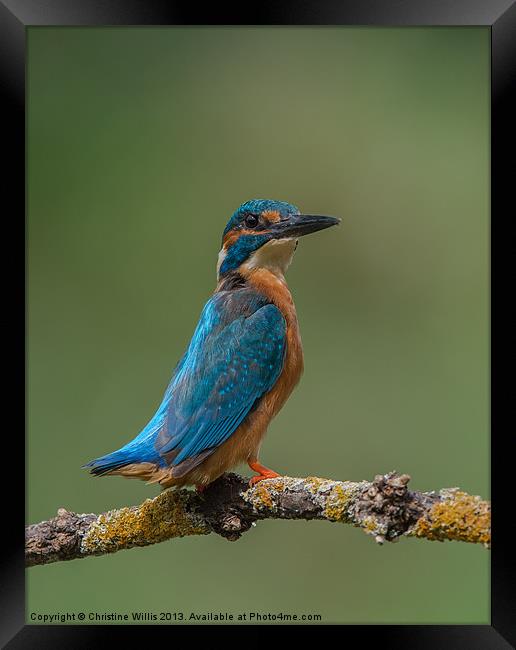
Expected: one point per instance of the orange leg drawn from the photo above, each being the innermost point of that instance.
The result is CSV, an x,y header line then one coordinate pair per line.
x,y
199,488
263,472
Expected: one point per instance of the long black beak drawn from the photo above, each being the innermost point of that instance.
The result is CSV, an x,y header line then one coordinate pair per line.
x,y
298,225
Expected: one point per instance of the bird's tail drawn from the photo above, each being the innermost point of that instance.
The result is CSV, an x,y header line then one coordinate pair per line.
x,y
139,450
115,460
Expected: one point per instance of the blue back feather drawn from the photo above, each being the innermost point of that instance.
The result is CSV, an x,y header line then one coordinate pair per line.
x,y
235,356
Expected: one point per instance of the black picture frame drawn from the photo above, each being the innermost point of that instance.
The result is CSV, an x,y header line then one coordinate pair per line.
x,y
15,17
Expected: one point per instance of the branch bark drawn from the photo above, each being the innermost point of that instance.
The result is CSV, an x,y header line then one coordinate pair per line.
x,y
384,508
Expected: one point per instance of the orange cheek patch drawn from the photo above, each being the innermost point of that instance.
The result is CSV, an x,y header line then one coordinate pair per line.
x,y
230,238
271,215
233,235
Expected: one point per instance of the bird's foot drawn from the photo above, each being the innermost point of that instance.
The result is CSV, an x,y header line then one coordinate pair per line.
x,y
263,472
200,487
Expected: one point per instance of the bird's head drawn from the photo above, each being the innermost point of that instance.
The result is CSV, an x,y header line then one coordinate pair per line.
x,y
263,234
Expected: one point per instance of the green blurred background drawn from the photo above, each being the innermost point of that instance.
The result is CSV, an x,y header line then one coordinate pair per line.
x,y
141,143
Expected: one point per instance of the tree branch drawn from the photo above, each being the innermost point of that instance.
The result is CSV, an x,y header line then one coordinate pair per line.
x,y
384,508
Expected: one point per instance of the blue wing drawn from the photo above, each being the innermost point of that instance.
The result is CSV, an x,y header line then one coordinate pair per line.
x,y
235,356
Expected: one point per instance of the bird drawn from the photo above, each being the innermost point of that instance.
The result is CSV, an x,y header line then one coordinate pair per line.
x,y
240,367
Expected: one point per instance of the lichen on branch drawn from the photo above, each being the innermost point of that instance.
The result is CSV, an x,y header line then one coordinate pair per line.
x,y
384,508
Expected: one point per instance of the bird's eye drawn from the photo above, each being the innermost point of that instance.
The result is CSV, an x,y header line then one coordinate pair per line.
x,y
251,221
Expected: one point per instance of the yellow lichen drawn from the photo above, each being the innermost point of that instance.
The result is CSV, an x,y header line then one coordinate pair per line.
x,y
276,484
338,501
369,524
314,483
262,496
459,516
154,521
334,498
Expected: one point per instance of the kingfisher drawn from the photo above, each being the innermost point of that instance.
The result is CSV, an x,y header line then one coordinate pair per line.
x,y
241,365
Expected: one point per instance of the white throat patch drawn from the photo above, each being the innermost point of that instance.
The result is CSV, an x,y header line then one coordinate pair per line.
x,y
222,256
275,256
